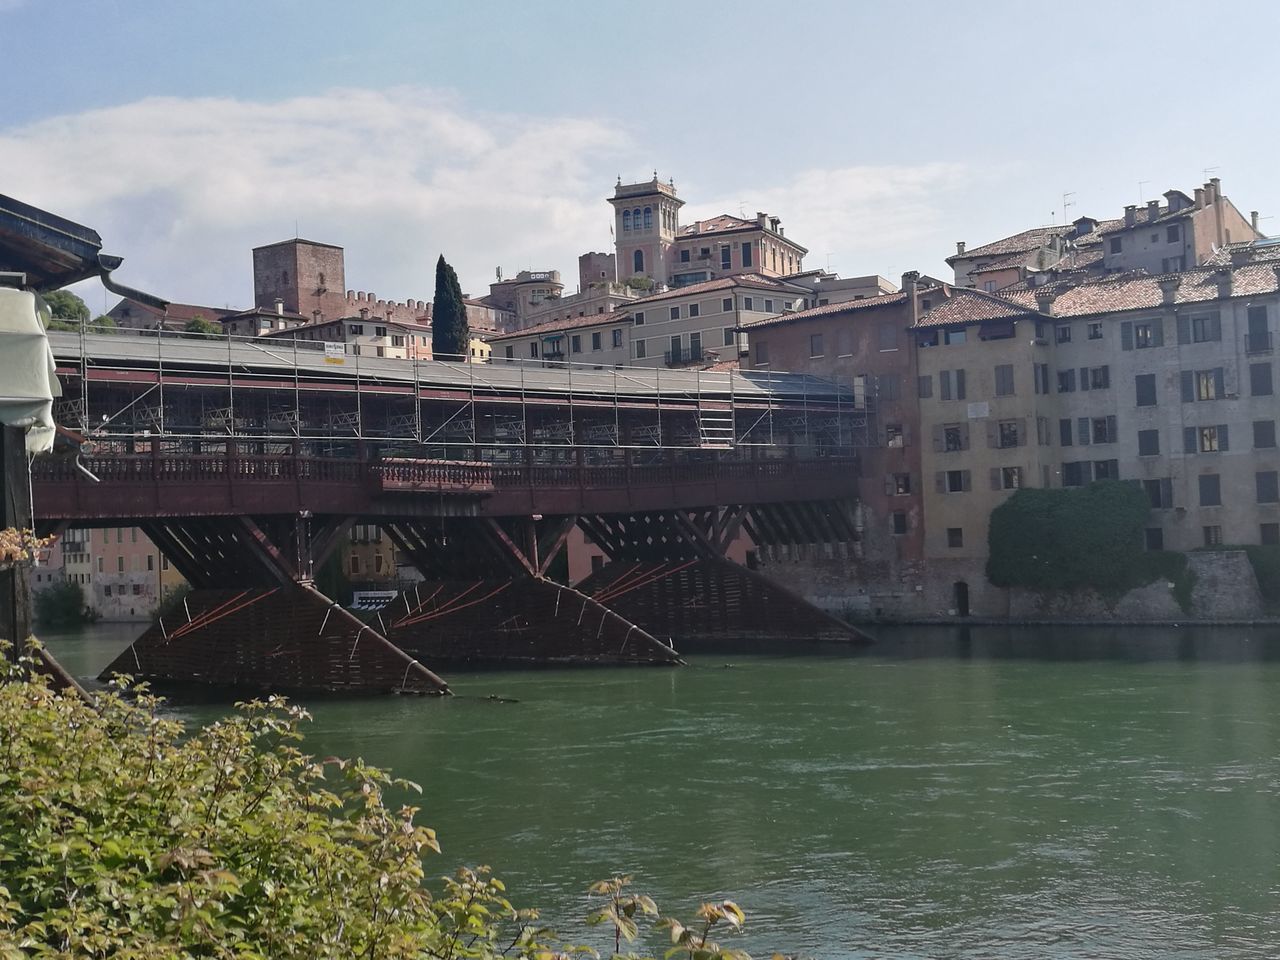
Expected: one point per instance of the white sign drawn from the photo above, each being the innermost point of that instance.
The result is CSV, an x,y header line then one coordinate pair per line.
x,y
335,352
979,410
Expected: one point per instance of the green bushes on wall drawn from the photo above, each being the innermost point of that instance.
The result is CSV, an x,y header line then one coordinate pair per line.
x,y
1266,567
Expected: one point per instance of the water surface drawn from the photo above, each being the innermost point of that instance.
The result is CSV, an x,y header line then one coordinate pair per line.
x,y
1063,792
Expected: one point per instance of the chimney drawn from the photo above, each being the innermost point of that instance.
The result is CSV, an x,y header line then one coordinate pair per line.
x,y
279,307
1241,255
959,248
315,316
1199,198
1153,210
1222,276
1130,215
1169,290
364,313
1217,188
910,283
1044,301
1253,219
762,220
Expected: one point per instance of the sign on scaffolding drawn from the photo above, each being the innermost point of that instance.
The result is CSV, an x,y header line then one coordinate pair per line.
x,y
335,353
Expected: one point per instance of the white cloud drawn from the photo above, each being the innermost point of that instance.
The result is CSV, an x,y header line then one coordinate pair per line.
x,y
184,188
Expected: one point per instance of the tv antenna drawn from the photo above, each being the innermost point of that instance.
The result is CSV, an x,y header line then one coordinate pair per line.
x,y
1141,198
1067,202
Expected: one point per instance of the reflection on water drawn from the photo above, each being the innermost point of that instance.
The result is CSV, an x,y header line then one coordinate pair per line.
x,y
1059,792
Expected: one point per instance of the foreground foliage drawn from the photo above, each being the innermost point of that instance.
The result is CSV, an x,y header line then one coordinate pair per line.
x,y
122,834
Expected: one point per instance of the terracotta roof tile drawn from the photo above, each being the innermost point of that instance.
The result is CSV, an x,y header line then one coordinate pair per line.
x,y
566,323
751,280
718,224
972,306
828,310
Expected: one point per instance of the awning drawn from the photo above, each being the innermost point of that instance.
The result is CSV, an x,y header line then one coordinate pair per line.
x,y
28,381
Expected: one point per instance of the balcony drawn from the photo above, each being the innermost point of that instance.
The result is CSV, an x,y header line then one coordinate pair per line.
x,y
682,357
1257,342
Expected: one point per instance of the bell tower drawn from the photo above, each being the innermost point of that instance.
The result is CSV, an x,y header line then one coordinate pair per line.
x,y
646,222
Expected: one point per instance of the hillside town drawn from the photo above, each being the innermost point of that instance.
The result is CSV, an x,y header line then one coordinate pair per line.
x,y
1135,346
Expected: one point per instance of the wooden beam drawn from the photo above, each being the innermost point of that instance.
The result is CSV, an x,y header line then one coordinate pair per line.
x,y
553,543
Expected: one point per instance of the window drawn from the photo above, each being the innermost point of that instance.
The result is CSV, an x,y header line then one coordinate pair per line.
x,y
815,345
675,313
1115,245
1159,492
626,221
1173,264
1148,443
1099,378
1260,379
639,318
1206,385
533,349
953,337
1095,330
953,437
748,303
893,435
1268,484
397,341
637,262
1067,380
887,387
746,254
1269,533
955,537
1010,478
119,564
106,591
1264,434
1173,234
924,387
617,338
762,353
726,305
1210,490
381,351
575,343
1144,335
1041,373
730,339
695,309
356,329
1004,380
726,259
899,523
1103,429
951,384
1145,384
1008,433
768,306
1206,329
597,341
379,331
1106,469
1063,333
989,286
902,484
1154,538
510,352
684,256
1213,536
151,563
1209,439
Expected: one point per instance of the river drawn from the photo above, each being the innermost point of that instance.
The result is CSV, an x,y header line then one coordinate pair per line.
x,y
1046,792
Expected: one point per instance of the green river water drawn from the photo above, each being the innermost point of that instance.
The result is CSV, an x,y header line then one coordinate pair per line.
x,y
994,792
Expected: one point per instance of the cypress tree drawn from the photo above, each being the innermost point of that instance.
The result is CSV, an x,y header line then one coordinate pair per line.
x,y
450,337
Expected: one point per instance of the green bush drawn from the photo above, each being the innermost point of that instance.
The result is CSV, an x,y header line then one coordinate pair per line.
x,y
124,834
1067,539
60,605
1266,567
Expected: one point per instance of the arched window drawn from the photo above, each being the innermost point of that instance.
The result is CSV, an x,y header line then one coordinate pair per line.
x,y
648,218
637,262
635,218
626,220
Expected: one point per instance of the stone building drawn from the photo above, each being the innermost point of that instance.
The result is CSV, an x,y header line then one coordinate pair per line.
x,y
135,316
602,340
1166,382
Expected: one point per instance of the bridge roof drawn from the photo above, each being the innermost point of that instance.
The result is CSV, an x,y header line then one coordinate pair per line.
x,y
259,363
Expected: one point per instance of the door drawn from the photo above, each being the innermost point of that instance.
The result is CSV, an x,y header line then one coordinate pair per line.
x,y
695,346
675,349
962,598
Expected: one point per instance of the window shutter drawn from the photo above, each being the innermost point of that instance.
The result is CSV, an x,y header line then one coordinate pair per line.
x,y
1064,432
1188,439
940,481
1184,330
966,480
995,478
939,442
1111,429
924,387
889,486
1157,332
1219,383
906,434
1215,327
1106,376
1082,431
944,384
1166,492
959,384
993,435
964,436
1022,432
1126,335
1188,386
1222,437
1084,378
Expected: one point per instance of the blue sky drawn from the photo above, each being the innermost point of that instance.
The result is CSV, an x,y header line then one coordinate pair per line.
x,y
186,133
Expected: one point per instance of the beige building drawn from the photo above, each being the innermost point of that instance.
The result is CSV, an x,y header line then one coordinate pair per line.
x,y
599,340
1165,382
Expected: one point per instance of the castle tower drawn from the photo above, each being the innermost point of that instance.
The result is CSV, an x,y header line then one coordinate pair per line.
x,y
646,222
306,275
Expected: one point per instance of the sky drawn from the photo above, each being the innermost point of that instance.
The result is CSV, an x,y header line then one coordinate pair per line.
x,y
186,133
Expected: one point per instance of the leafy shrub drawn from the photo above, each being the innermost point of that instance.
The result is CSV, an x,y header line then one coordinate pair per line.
x,y
1266,567
123,834
61,604
1067,539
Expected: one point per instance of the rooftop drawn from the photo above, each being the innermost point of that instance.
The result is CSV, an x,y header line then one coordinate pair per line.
x,y
566,323
829,310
